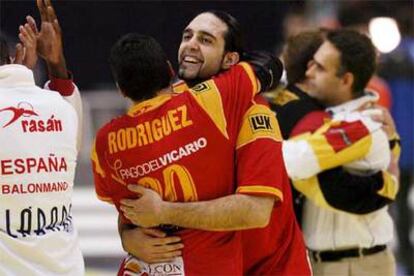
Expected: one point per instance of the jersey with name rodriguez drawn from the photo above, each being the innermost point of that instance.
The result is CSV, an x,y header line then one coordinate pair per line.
x,y
183,146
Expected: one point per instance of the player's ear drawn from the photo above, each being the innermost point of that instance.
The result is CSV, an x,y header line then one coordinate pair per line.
x,y
230,59
348,79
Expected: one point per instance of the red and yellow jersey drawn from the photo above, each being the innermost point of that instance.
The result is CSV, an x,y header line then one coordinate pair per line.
x,y
279,248
184,146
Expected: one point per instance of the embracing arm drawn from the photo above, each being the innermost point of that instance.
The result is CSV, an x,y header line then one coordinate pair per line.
x,y
342,190
267,68
234,212
229,213
338,189
147,244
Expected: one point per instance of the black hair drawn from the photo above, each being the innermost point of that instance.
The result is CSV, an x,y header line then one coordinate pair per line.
x,y
233,38
139,66
357,55
4,51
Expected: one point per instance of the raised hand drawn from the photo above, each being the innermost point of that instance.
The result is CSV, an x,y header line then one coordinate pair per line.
x,y
50,45
28,38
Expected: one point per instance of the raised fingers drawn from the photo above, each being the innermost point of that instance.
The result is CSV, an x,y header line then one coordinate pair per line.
x,y
19,54
26,36
42,10
32,23
29,31
51,12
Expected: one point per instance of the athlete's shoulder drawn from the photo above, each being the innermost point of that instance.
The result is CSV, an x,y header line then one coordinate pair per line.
x,y
241,69
293,95
284,97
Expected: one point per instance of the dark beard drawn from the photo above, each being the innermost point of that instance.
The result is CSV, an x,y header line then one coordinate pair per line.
x,y
190,82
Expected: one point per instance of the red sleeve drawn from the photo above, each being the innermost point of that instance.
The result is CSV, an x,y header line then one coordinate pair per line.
x,y
260,168
259,159
309,123
102,187
64,86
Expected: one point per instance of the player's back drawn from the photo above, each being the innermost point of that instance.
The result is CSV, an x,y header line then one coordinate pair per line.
x,y
37,170
173,142
175,148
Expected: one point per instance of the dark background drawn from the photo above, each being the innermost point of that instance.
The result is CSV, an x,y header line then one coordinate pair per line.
x,y
91,27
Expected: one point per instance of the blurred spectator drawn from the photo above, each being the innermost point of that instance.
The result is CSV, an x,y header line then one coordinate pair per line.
x,y
381,87
398,69
295,22
350,17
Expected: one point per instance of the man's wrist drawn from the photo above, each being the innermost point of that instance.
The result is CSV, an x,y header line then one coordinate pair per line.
x,y
165,212
58,68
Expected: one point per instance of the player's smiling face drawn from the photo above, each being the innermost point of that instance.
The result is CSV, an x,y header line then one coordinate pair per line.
x,y
201,51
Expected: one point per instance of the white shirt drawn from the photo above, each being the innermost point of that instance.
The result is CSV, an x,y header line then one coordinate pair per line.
x,y
326,229
302,159
38,138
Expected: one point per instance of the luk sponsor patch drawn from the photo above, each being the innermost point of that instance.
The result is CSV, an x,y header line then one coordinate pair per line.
x,y
201,87
260,122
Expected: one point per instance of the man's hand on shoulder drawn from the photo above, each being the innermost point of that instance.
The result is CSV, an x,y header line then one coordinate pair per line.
x,y
268,68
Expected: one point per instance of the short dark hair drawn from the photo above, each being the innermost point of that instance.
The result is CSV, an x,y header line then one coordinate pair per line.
x,y
233,38
4,51
139,66
357,55
299,50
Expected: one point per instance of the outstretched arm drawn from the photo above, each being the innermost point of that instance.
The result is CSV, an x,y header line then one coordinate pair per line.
x,y
229,213
49,39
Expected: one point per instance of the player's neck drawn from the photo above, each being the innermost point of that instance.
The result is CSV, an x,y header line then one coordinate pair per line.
x,y
303,86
